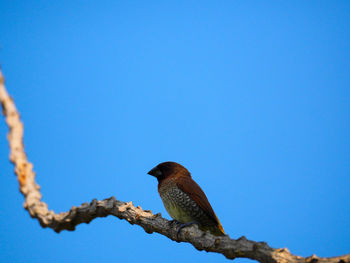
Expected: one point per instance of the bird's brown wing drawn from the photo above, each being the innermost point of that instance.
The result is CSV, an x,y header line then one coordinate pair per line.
x,y
191,188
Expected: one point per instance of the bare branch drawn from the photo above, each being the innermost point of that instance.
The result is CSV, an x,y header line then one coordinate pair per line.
x,y
150,222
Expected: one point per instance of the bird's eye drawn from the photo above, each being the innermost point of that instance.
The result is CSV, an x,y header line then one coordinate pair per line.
x,y
158,172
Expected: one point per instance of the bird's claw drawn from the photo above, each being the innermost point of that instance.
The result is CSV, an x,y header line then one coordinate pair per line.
x,y
181,226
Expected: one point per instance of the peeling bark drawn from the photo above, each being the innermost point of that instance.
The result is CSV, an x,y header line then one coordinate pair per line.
x,y
85,213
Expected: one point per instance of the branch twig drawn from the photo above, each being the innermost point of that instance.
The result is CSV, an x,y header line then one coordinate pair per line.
x,y
150,222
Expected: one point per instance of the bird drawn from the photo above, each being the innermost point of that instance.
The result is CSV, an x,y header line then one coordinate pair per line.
x,y
183,198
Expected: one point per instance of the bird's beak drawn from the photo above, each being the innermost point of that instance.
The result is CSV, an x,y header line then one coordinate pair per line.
x,y
155,172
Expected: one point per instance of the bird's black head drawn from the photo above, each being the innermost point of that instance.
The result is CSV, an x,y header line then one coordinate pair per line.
x,y
166,169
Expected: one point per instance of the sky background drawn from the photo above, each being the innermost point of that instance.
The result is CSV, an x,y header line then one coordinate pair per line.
x,y
252,97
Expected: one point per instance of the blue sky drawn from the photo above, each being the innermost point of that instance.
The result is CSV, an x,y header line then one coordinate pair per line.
x,y
252,97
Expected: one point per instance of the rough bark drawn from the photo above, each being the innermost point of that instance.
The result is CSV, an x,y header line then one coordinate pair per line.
x,y
150,222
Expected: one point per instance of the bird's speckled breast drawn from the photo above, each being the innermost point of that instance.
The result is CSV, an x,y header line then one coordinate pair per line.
x,y
177,203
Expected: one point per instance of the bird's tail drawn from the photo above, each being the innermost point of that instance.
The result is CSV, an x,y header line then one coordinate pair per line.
x,y
215,230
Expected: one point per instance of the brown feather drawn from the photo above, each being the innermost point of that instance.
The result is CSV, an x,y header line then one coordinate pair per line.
x,y
190,187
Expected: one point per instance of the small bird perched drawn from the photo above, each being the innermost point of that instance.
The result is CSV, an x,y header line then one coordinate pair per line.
x,y
184,200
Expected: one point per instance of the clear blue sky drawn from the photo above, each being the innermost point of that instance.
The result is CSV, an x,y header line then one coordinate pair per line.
x,y
252,97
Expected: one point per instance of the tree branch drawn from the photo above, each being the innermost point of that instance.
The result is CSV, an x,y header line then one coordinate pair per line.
x,y
150,222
